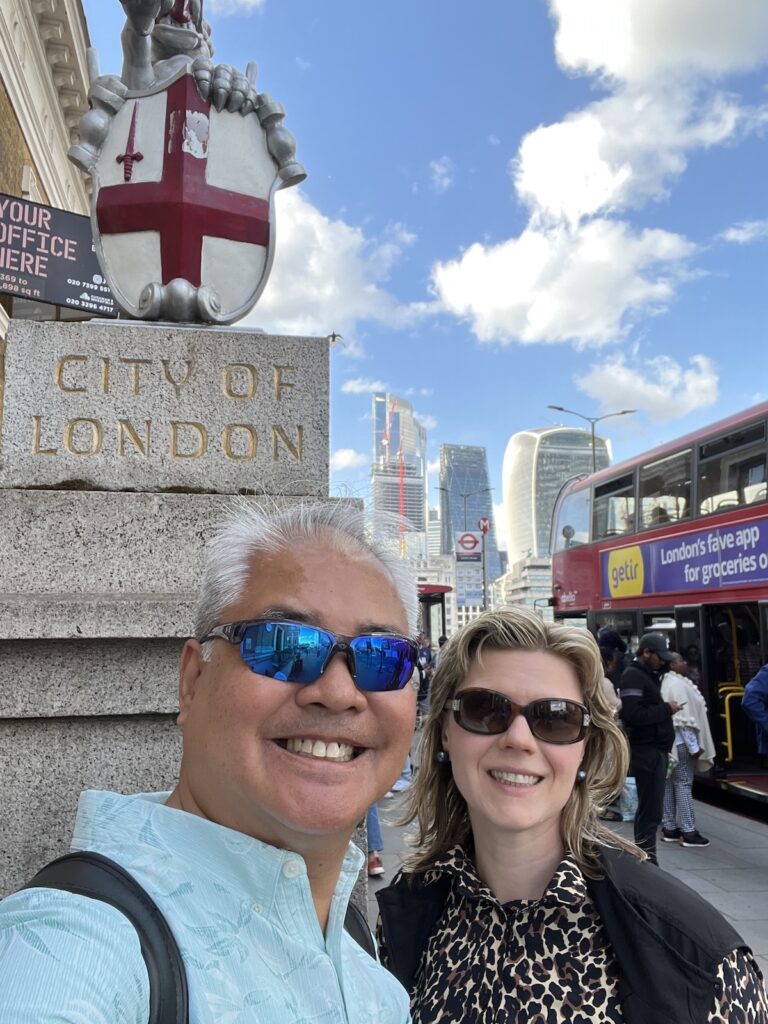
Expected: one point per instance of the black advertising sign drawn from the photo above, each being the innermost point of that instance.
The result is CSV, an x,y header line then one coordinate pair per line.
x,y
47,255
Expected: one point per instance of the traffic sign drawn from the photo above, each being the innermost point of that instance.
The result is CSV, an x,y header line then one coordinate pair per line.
x,y
467,541
484,524
469,546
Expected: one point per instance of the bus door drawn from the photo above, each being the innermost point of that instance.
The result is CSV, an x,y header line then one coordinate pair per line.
x,y
691,642
694,639
763,614
735,655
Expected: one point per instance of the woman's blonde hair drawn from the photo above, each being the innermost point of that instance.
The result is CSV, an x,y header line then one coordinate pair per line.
x,y
434,801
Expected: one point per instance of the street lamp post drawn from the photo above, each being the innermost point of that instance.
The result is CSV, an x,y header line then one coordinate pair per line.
x,y
465,496
592,420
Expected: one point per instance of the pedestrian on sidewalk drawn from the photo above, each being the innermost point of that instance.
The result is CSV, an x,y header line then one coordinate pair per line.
x,y
518,904
755,705
693,751
647,719
375,842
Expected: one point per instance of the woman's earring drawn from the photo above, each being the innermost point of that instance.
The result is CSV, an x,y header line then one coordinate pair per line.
x,y
442,757
581,775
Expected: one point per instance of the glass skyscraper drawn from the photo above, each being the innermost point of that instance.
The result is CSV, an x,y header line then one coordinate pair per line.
x,y
399,467
465,496
536,465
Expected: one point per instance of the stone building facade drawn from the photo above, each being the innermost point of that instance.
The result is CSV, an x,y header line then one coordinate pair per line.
x,y
43,92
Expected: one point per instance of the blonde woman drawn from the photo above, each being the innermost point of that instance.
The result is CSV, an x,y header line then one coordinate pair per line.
x,y
518,905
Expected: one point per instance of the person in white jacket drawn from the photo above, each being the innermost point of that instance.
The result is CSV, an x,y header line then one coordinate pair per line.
x,y
693,751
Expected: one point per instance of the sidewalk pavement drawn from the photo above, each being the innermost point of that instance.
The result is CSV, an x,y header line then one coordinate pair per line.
x,y
731,873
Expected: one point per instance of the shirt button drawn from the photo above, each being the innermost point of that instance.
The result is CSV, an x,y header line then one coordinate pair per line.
x,y
256,907
292,868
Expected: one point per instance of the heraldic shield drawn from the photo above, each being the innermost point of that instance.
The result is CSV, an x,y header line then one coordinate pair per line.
x,y
183,206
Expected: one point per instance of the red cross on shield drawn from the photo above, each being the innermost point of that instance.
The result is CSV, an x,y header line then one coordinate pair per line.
x,y
198,205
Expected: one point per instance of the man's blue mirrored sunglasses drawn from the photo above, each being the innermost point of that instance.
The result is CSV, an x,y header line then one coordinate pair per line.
x,y
298,653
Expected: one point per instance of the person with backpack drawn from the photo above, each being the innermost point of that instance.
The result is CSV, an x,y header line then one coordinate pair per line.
x,y
648,722
248,862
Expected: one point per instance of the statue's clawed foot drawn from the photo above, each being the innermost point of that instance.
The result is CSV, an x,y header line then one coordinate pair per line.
x,y
225,87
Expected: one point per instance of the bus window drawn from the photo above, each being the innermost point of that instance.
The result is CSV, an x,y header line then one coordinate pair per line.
x,y
732,470
572,527
614,508
665,490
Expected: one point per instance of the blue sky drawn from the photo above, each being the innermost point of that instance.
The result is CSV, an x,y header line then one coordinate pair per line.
x,y
516,203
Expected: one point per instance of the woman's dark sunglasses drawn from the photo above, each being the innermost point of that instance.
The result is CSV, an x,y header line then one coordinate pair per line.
x,y
489,713
298,653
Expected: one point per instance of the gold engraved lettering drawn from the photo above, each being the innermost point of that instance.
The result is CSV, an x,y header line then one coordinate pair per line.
x,y
252,441
202,439
177,385
296,450
280,383
36,431
230,376
135,365
126,428
58,375
97,437
105,374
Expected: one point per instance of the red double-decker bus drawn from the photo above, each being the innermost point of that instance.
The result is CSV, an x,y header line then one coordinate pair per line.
x,y
676,540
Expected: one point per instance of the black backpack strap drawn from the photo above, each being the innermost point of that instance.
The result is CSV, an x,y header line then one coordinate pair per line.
x,y
89,874
357,926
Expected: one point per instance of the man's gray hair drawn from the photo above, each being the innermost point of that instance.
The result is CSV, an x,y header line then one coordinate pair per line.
x,y
250,530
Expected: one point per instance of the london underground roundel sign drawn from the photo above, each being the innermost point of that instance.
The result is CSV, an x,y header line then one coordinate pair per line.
x,y
468,546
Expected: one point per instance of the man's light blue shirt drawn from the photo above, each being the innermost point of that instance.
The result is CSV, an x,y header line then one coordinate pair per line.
x,y
241,912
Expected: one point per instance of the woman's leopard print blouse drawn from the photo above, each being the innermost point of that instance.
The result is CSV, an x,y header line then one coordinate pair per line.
x,y
539,961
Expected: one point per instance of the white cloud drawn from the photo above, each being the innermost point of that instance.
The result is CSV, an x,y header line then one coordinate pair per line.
x,y
441,172
584,284
224,7
327,275
660,387
347,458
623,150
401,234
301,64
493,140
579,271
639,40
427,421
385,254
433,466
747,231
362,386
423,392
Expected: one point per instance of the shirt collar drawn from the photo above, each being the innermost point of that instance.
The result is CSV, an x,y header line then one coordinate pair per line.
x,y
567,887
159,834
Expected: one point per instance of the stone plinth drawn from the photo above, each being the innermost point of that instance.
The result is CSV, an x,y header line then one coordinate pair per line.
x,y
122,446
125,406
96,564
98,594
48,762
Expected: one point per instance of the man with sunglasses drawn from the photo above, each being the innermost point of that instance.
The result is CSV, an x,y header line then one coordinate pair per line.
x,y
648,721
297,712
